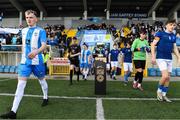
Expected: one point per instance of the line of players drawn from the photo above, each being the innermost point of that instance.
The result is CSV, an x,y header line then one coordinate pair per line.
x,y
166,45
34,43
140,46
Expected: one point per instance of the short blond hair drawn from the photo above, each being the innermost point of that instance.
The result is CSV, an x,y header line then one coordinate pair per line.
x,y
31,11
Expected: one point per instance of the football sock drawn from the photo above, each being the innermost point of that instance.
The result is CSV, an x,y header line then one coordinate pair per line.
x,y
136,76
44,87
114,73
140,77
71,75
18,95
126,77
164,90
160,88
78,73
139,85
129,74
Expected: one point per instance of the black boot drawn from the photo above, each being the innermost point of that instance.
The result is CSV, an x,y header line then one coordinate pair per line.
x,y
9,115
45,102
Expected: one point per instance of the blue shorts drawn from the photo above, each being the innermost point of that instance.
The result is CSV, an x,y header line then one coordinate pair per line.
x,y
84,65
26,70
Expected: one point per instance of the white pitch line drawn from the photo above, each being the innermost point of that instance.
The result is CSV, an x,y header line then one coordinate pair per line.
x,y
5,80
89,98
99,109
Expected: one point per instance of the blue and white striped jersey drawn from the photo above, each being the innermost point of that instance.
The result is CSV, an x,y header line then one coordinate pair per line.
x,y
84,56
32,37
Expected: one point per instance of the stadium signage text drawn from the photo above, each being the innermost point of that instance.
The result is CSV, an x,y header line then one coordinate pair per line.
x,y
127,15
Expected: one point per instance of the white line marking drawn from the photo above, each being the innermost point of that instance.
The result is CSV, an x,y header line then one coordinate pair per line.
x,y
99,109
6,80
89,98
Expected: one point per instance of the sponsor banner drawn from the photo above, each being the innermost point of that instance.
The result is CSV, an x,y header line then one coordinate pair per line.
x,y
127,15
59,61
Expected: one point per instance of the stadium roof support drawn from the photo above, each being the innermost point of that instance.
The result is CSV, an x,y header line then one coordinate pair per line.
x,y
17,5
85,9
40,7
108,5
85,5
155,6
174,9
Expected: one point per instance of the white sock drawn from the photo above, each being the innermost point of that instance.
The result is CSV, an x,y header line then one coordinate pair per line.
x,y
18,95
164,93
86,72
44,87
134,82
85,75
159,90
139,85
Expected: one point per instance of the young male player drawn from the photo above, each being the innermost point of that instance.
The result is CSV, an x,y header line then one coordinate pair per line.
x,y
166,44
33,43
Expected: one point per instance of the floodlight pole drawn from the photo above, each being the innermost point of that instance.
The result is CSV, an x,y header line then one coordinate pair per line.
x,y
85,15
41,15
107,14
154,15
176,16
20,18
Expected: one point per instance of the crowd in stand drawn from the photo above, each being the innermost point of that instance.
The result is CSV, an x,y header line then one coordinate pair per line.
x,y
56,36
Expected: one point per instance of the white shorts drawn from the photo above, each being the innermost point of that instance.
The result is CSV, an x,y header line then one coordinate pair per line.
x,y
128,67
164,64
114,63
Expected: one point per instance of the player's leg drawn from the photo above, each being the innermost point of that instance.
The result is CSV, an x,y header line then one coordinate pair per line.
x,y
166,84
163,68
138,68
71,73
115,69
77,72
112,69
130,69
24,73
141,69
108,68
82,70
39,72
86,70
125,73
140,77
77,69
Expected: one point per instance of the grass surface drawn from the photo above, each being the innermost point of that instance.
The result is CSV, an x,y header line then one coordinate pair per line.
x,y
30,107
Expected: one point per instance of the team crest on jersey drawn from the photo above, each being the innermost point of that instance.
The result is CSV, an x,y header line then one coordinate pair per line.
x,y
169,37
35,34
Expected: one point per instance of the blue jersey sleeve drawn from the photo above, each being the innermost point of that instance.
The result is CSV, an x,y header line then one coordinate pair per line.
x,y
43,36
123,50
158,34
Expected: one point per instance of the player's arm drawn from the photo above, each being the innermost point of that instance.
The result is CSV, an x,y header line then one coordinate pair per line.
x,y
77,54
176,52
37,51
42,48
153,45
133,47
109,57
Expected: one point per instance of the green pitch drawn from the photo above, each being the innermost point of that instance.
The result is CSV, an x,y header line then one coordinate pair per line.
x,y
79,101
